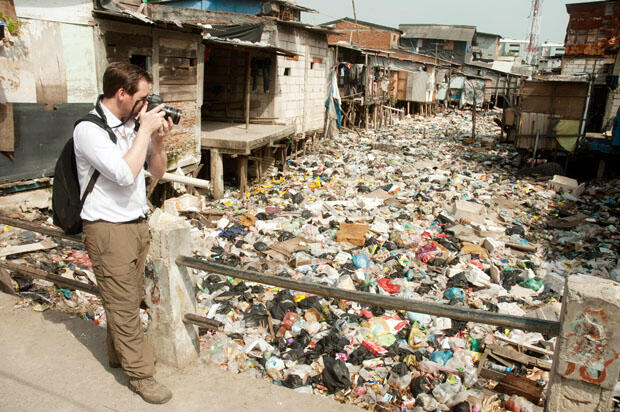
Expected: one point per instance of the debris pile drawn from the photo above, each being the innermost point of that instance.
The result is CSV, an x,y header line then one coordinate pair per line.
x,y
420,211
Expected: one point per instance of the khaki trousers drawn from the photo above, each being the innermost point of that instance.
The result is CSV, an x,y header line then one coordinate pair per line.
x,y
118,253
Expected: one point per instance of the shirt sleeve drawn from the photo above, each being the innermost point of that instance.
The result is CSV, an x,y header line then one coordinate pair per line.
x,y
93,144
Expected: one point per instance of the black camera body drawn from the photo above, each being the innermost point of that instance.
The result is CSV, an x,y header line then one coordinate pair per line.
x,y
155,100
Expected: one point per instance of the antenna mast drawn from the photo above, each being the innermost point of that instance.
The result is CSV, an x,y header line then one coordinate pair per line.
x,y
534,31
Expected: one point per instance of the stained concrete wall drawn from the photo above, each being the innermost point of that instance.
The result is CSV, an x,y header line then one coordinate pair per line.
x,y
586,365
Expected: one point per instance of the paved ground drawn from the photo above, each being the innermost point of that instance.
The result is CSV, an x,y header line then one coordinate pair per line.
x,y
53,362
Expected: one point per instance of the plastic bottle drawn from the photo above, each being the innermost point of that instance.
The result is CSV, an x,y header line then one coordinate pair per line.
x,y
421,318
454,294
498,368
361,260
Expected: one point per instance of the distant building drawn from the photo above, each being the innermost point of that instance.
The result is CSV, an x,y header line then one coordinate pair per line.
x,y
486,47
513,48
548,57
448,42
362,33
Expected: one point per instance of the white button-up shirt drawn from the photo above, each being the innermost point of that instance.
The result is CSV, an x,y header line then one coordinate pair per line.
x,y
117,196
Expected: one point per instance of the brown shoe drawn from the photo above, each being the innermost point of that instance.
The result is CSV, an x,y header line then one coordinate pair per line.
x,y
150,390
114,365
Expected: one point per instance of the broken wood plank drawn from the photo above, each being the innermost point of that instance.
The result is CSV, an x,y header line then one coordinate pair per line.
x,y
524,345
30,247
518,385
520,247
522,358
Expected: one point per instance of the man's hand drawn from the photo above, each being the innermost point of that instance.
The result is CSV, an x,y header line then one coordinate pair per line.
x,y
157,136
152,120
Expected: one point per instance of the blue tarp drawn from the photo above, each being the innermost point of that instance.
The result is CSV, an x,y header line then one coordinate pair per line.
x,y
227,6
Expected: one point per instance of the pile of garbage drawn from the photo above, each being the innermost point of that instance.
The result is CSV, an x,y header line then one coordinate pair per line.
x,y
420,211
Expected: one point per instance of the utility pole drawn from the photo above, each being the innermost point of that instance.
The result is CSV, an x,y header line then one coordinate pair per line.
x,y
473,113
355,17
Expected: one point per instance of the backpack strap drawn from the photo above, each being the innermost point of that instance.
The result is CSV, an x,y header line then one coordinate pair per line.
x,y
93,118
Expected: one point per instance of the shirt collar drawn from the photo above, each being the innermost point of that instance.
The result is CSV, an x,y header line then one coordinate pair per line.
x,y
115,121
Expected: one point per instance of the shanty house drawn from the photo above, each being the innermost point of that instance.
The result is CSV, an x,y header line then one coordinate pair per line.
x,y
385,73
446,42
485,47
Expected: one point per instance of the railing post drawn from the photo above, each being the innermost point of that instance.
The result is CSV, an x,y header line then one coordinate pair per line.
x,y
170,294
586,364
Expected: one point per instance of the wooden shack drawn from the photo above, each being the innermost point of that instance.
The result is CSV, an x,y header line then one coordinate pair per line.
x,y
52,76
549,114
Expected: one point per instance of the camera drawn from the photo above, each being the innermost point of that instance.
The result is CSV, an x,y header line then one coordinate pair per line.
x,y
155,100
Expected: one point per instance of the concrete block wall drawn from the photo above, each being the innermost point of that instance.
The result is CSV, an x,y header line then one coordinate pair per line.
x,y
600,66
300,83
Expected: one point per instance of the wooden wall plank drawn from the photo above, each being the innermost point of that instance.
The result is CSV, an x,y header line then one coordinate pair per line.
x,y
177,52
177,93
177,75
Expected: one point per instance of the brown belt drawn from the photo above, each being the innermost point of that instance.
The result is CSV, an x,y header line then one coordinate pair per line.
x,y
130,222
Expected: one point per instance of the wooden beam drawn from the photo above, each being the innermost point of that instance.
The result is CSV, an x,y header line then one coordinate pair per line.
x,y
247,90
242,173
217,174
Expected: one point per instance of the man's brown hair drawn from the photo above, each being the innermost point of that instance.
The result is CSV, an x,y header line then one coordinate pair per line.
x,y
125,76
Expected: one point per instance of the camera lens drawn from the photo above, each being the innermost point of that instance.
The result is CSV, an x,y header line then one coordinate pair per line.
x,y
174,113
154,100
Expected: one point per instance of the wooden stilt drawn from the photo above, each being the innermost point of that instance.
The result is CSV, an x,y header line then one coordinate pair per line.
x,y
374,116
242,173
217,174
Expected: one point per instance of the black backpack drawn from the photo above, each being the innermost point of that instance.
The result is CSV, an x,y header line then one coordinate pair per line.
x,y
66,202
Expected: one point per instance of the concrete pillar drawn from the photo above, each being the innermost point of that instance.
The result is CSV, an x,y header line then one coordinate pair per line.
x,y
170,295
586,365
217,174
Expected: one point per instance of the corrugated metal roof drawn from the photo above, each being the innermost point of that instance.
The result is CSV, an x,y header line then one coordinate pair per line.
x,y
438,31
248,45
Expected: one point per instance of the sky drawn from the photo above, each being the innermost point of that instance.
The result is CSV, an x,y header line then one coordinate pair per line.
x,y
508,18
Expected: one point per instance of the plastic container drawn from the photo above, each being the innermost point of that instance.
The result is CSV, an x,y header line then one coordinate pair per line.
x,y
361,261
441,357
454,294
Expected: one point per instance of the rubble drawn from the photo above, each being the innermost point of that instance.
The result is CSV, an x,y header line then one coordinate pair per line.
x,y
431,220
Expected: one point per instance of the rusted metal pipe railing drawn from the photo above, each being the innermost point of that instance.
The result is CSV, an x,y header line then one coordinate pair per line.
x,y
550,328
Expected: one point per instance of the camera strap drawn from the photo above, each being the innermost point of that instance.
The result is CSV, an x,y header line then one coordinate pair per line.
x,y
99,111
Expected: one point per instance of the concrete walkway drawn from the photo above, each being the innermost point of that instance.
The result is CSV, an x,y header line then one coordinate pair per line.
x,y
54,362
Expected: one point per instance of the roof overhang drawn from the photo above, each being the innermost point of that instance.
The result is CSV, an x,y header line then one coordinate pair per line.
x,y
241,44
